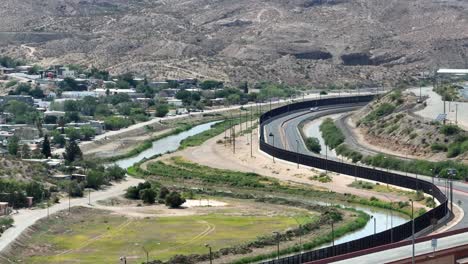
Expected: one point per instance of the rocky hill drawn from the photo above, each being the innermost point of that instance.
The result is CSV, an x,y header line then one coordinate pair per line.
x,y
290,41
390,123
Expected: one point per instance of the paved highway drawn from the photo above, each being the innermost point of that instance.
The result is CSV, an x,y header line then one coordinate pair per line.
x,y
286,135
460,188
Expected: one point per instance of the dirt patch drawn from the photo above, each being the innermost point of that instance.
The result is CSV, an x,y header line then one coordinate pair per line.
x,y
218,154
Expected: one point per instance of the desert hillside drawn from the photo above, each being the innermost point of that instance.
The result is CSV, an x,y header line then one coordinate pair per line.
x,y
290,41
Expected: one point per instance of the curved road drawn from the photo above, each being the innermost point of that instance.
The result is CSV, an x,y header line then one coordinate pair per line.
x,y
286,133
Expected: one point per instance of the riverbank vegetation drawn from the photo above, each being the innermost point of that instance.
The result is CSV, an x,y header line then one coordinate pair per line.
x,y
331,133
313,144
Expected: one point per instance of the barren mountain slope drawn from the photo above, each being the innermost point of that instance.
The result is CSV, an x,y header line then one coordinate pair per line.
x,y
292,41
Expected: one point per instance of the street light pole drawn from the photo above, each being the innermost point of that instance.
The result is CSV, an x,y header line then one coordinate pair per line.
x,y
273,138
277,244
147,254
211,253
412,230
297,152
375,226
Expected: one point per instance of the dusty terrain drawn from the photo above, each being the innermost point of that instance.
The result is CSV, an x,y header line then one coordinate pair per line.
x,y
292,41
411,135
217,155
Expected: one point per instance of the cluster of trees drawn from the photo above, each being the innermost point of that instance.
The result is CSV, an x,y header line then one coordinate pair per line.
x,y
99,176
26,89
313,144
149,193
9,62
101,108
96,177
15,192
22,113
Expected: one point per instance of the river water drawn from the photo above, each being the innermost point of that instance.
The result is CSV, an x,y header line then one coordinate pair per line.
x,y
384,218
164,145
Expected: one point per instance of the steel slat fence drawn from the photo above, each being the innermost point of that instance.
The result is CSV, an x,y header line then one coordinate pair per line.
x,y
400,232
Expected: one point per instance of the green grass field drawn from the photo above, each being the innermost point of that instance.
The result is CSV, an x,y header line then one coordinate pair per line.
x,y
98,237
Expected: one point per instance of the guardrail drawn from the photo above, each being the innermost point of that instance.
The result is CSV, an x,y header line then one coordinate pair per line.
x,y
395,234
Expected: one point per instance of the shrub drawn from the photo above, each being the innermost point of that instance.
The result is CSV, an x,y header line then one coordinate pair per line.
x,y
454,150
438,147
449,130
174,200
95,179
381,111
148,196
115,173
313,144
331,133
6,221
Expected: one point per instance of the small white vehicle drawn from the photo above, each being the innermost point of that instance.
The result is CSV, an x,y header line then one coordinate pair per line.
x,y
314,109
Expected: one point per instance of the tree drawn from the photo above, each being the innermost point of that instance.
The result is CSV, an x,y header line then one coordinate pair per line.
x,y
87,132
73,133
69,84
72,117
132,193
244,87
174,200
13,145
75,189
37,92
72,152
25,151
163,192
58,138
211,84
148,196
115,172
313,144
162,110
50,120
46,147
94,179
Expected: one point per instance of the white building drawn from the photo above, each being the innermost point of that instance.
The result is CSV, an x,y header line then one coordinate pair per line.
x,y
103,92
175,102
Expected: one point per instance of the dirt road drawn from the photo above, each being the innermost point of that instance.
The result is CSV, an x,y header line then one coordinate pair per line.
x,y
26,217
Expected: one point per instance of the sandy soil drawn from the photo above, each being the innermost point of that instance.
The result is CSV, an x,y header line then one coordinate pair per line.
x,y
190,207
118,145
217,155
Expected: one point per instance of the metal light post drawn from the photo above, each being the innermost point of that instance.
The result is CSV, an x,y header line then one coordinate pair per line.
x,y
375,226
89,196
326,159
147,254
412,230
297,152
211,253
273,138
333,238
277,244
385,158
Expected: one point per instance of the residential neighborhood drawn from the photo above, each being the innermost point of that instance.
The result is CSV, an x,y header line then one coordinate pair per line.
x,y
74,103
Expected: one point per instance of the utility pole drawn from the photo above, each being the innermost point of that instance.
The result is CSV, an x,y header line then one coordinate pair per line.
x,y
375,226
225,132
277,244
273,138
297,153
412,231
326,159
211,253
456,114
